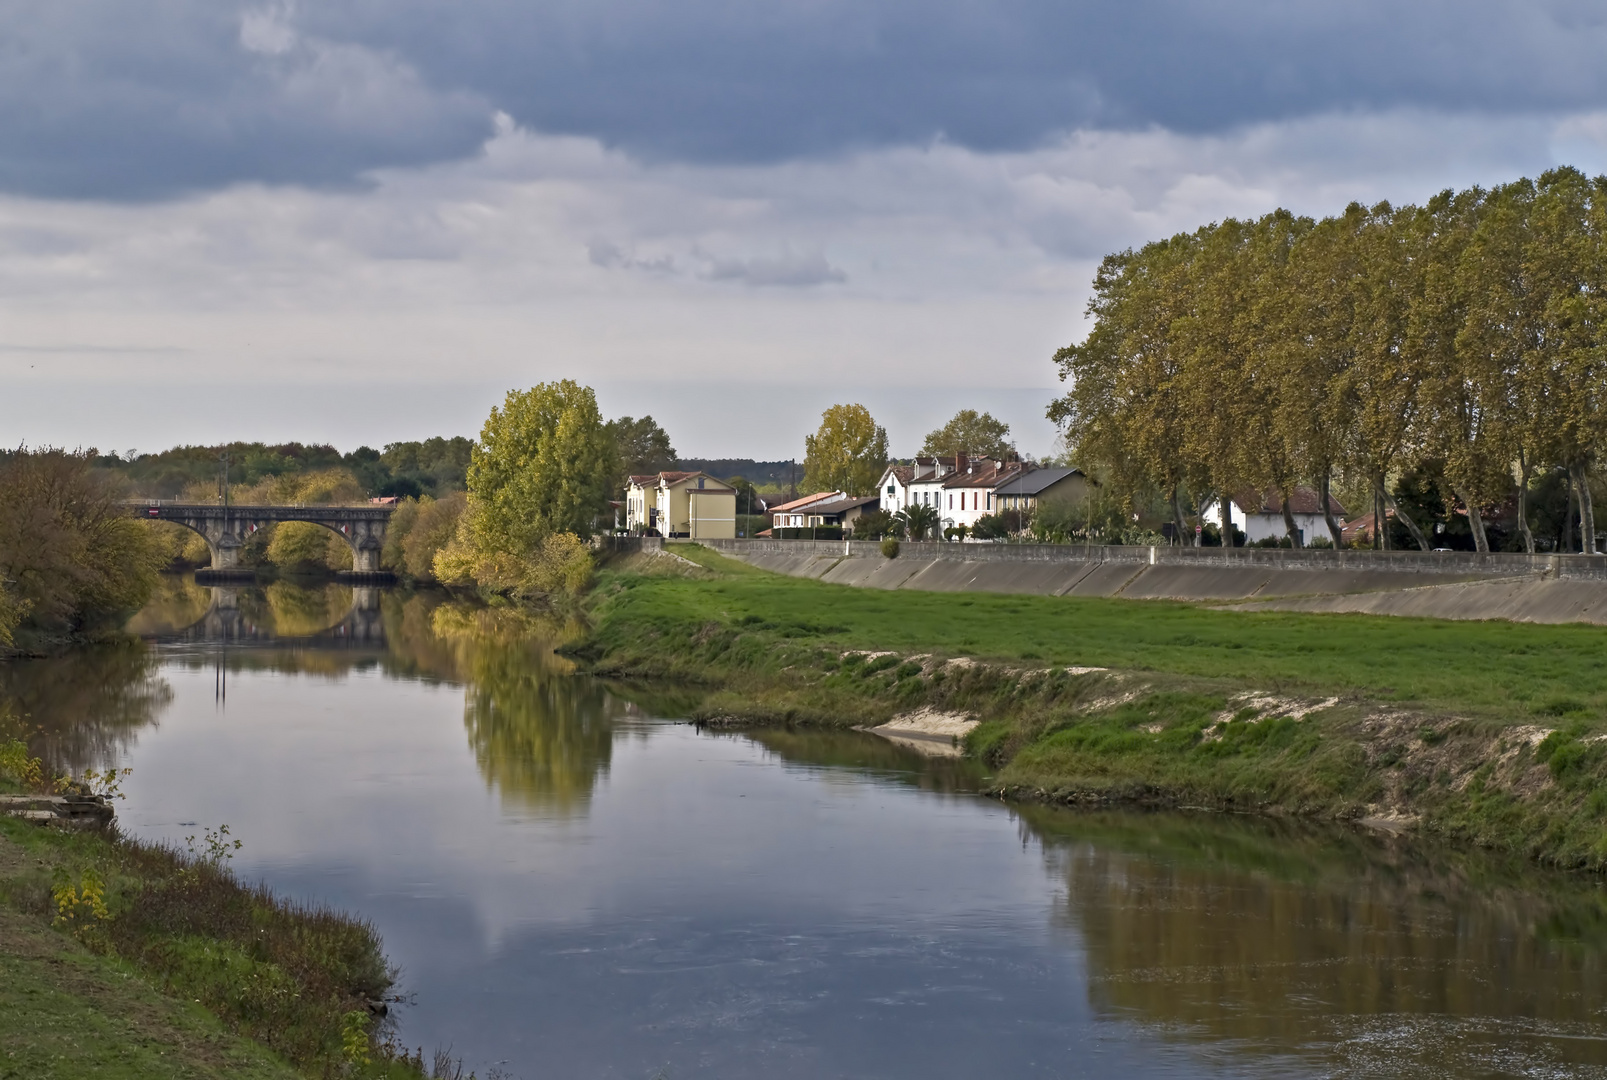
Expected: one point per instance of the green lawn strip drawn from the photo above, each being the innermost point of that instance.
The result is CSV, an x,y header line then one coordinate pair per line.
x,y
1430,720
285,982
1498,669
67,1013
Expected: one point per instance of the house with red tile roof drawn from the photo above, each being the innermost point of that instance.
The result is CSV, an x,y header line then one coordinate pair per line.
x,y
968,493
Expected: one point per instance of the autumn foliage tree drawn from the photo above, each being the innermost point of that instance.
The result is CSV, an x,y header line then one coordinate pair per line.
x,y
72,559
847,453
1470,332
538,480
973,433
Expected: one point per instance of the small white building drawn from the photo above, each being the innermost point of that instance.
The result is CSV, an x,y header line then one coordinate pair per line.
x,y
1260,514
803,513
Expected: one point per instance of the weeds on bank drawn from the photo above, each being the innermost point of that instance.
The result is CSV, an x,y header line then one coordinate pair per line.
x,y
287,975
296,978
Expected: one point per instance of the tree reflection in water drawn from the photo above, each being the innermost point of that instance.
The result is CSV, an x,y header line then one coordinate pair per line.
x,y
1353,948
542,735
80,710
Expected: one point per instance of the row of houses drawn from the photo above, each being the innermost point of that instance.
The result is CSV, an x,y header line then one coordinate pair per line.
x,y
961,489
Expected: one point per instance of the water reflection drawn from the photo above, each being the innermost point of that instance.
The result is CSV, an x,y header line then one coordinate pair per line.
x,y
81,710
1359,950
541,738
827,893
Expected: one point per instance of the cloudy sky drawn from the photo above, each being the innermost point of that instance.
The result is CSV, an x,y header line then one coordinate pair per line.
x,y
358,221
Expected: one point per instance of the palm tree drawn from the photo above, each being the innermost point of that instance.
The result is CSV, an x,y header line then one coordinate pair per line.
x,y
919,521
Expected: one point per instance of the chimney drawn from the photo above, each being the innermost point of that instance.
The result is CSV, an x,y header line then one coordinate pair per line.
x,y
960,462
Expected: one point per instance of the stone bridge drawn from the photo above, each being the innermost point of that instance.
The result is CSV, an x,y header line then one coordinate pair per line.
x,y
227,528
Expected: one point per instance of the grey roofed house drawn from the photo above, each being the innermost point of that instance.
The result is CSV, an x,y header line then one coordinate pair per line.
x,y
1024,491
843,511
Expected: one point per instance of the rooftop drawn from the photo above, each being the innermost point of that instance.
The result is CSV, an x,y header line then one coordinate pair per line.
x,y
1035,481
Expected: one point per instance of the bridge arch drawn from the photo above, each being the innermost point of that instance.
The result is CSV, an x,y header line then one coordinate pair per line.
x,y
226,528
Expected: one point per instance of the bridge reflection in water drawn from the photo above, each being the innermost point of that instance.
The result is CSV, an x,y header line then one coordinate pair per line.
x,y
243,615
541,735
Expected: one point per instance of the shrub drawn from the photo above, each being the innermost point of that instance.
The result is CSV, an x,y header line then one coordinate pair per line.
x,y
873,526
301,545
890,548
434,528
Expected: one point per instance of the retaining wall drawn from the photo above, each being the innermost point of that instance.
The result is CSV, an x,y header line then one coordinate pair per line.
x,y
1455,585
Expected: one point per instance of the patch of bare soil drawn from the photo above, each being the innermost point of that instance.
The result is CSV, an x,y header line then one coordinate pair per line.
x,y
1415,750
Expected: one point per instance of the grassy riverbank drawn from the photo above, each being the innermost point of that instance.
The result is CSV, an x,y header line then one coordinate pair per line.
x,y
1484,731
120,959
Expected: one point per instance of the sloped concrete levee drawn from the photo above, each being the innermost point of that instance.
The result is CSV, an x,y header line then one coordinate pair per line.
x,y
1447,585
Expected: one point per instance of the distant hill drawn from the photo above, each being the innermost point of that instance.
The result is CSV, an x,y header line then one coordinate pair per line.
x,y
758,473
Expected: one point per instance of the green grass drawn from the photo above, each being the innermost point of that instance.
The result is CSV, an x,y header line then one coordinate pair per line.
x,y
277,982
1420,726
66,1013
1489,668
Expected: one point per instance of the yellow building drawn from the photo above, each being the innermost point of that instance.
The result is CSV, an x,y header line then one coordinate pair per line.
x,y
687,504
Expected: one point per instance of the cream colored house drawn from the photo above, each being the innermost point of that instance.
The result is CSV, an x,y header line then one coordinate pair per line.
x,y
685,504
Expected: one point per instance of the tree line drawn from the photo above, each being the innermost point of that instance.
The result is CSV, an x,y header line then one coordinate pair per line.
x,y
1467,335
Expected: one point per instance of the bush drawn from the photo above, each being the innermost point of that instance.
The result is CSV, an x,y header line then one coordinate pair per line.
x,y
890,548
301,545
873,526
181,548
433,528
71,556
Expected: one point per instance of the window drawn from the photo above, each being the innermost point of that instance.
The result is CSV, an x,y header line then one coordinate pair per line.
x,y
951,500
700,483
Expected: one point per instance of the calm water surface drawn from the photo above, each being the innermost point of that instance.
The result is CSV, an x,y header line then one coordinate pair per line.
x,y
576,885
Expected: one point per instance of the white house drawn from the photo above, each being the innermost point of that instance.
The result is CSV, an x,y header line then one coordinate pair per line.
x,y
1260,514
894,487
925,487
968,494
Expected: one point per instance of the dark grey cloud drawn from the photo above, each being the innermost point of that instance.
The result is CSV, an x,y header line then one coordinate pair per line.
x,y
109,99
104,99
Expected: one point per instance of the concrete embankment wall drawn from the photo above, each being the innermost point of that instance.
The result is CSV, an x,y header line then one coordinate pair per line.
x,y
1448,585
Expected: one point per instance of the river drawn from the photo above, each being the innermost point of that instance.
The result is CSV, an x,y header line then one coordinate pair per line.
x,y
576,884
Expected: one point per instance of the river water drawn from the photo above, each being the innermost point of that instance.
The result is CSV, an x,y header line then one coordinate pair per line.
x,y
575,884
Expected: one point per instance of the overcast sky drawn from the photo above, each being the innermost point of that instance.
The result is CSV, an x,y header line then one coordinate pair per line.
x,y
363,220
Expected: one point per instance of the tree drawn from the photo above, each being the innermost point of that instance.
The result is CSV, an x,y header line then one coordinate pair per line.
x,y
1121,412
919,521
71,556
643,447
873,526
972,433
543,465
541,472
847,453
